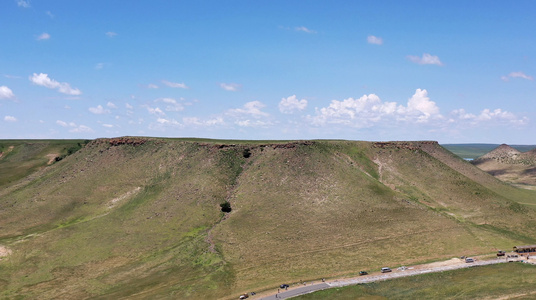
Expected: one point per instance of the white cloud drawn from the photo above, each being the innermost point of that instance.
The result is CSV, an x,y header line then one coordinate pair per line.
x,y
62,87
254,123
99,66
10,119
370,110
62,123
252,108
304,29
99,110
517,75
171,104
232,87
49,14
43,36
155,111
5,92
74,127
496,116
374,40
111,105
81,128
194,121
110,34
421,104
128,106
23,3
162,124
175,84
11,76
426,59
108,125
290,104
152,86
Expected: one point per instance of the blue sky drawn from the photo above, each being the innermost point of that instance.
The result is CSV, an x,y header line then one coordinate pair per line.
x,y
451,71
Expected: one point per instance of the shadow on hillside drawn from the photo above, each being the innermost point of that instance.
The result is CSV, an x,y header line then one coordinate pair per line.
x,y
531,172
497,172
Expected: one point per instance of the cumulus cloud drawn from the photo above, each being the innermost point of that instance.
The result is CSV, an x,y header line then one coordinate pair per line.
x,y
156,111
171,104
43,36
370,109
517,75
253,123
426,59
111,105
74,128
304,29
194,121
420,103
110,34
249,115
175,84
497,116
291,104
5,92
99,110
10,119
62,87
374,40
23,3
81,128
232,87
163,123
252,108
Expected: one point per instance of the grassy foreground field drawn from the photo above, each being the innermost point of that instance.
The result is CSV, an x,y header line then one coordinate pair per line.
x,y
140,218
502,281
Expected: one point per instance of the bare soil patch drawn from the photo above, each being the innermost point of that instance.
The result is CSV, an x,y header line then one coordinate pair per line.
x,y
51,157
4,251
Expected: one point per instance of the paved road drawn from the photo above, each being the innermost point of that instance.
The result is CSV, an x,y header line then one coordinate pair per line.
x,y
379,277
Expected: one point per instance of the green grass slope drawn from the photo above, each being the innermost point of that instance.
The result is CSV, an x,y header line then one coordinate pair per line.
x,y
20,158
140,218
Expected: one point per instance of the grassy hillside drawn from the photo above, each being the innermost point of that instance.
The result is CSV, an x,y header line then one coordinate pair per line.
x,y
20,158
140,218
504,281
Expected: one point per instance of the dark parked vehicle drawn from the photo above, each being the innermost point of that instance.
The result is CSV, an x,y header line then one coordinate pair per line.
x,y
363,273
500,253
284,286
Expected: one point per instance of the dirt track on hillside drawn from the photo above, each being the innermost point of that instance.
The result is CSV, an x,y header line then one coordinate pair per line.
x,y
448,265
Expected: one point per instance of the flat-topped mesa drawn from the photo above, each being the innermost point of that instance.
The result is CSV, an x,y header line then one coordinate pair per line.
x,y
133,141
404,145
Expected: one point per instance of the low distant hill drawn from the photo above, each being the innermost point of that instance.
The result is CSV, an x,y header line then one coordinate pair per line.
x,y
473,151
510,165
136,217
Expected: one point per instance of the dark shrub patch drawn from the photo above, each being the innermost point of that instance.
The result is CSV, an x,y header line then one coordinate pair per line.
x,y
226,207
